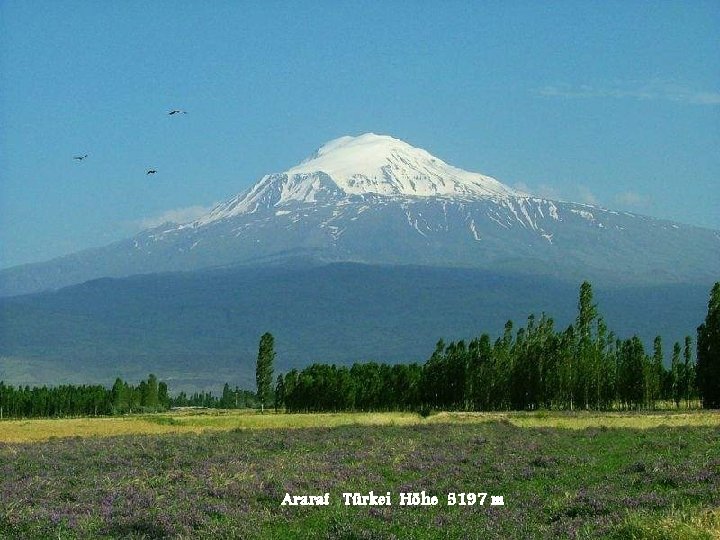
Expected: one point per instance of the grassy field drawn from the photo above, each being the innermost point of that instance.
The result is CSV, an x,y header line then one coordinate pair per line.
x,y
198,421
218,475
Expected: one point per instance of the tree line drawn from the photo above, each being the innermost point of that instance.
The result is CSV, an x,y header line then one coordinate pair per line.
x,y
147,396
229,399
82,400
584,366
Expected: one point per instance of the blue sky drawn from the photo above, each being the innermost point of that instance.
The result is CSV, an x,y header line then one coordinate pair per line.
x,y
613,103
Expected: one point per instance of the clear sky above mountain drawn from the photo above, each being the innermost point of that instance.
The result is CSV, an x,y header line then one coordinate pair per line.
x,y
612,103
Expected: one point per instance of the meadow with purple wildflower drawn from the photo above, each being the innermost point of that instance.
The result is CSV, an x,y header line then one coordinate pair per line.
x,y
556,483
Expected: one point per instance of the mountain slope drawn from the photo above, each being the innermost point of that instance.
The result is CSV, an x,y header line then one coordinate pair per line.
x,y
375,199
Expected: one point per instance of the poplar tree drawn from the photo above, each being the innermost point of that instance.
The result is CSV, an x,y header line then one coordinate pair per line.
x,y
279,392
228,397
120,396
163,397
655,373
708,353
482,378
587,311
586,365
150,397
688,372
676,376
631,376
566,364
264,369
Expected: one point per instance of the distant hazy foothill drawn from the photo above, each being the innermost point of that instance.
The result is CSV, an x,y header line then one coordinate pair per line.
x,y
370,249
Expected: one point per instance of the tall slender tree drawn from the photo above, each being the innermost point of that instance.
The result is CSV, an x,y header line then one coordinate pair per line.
x,y
587,311
279,392
655,373
688,372
586,364
163,397
676,376
150,393
264,369
120,396
631,376
708,353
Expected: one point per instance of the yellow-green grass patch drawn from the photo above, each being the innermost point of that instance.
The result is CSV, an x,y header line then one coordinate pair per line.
x,y
680,524
32,430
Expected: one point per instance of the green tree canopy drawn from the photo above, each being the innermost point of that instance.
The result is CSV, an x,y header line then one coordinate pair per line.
x,y
708,353
264,368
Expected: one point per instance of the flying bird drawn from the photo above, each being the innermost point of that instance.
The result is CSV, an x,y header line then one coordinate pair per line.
x,y
150,171
176,111
80,158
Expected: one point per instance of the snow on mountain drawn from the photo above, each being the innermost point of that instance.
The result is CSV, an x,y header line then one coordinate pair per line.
x,y
369,164
383,165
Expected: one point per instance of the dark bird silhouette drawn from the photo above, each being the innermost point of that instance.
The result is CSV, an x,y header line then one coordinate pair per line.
x,y
80,158
176,111
151,171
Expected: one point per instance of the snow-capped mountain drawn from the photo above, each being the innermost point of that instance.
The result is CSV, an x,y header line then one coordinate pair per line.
x,y
377,199
366,165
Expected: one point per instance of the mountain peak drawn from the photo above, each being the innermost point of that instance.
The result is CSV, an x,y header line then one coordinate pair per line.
x,y
349,152
367,164
384,165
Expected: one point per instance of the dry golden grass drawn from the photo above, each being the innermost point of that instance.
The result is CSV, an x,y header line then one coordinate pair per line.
x,y
702,524
640,420
35,430
14,431
17,431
